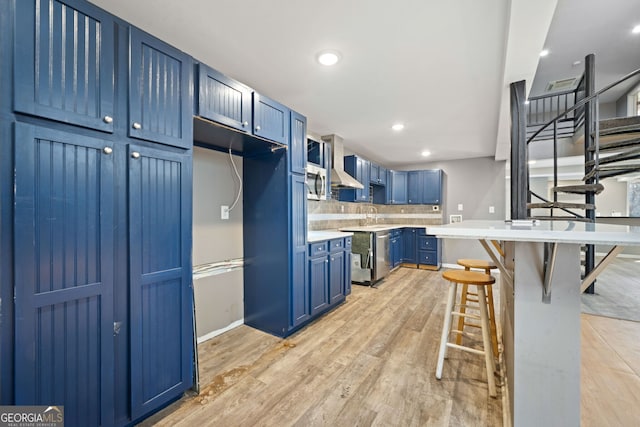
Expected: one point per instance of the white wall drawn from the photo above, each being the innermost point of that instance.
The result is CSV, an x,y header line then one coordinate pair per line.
x,y
477,184
219,299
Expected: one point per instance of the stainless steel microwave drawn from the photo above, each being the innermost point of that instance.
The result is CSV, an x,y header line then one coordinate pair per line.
x,y
316,182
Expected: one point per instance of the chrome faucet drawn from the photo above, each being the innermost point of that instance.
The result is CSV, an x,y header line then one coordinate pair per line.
x,y
375,213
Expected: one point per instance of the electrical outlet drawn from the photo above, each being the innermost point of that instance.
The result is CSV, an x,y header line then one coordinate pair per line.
x,y
460,207
492,209
224,212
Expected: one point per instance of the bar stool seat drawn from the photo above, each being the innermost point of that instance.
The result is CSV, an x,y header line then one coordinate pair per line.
x,y
480,281
487,266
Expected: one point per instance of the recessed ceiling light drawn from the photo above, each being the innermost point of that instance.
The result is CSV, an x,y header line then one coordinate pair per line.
x,y
526,102
544,53
397,126
328,57
576,63
426,153
531,162
636,29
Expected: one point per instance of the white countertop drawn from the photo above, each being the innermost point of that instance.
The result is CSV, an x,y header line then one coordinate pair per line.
x,y
380,227
318,236
544,231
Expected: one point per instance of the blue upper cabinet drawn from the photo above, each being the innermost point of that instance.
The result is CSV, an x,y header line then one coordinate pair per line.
x,y
298,145
378,174
64,62
223,99
160,104
432,186
270,119
397,187
414,187
358,168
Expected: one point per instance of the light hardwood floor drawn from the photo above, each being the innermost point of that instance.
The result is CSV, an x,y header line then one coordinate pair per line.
x,y
372,362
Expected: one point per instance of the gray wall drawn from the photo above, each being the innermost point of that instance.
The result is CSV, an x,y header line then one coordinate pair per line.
x,y
219,299
477,184
621,103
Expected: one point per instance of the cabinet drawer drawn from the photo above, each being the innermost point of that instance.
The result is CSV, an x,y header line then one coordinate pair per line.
x,y
428,243
318,248
428,257
336,245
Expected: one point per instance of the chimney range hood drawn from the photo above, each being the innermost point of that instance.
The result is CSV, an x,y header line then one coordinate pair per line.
x,y
339,178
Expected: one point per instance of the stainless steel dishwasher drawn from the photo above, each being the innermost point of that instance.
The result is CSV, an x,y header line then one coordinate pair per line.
x,y
373,249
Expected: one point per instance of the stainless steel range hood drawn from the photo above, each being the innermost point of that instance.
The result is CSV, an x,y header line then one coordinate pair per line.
x,y
339,178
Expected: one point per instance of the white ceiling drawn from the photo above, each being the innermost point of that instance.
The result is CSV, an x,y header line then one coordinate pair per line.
x,y
581,27
440,67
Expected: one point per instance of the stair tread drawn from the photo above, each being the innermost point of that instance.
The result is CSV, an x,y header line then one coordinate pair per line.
x,y
617,143
609,171
566,205
579,189
625,155
619,124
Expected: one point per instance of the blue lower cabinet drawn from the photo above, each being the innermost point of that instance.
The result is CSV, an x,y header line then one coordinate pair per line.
x,y
347,265
409,245
329,273
429,250
318,284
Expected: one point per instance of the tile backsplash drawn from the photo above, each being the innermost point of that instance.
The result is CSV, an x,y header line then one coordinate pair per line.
x,y
332,214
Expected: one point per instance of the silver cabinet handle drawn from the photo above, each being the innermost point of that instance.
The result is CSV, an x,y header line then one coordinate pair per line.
x,y
107,150
257,127
116,328
135,155
245,123
107,119
136,125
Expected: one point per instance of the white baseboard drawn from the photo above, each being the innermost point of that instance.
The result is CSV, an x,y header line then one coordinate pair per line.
x,y
217,332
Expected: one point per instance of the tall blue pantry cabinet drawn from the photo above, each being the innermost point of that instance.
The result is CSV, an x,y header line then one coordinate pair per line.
x,y
95,144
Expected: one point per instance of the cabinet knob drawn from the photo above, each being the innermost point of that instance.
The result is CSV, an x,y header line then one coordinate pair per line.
x,y
135,155
107,150
107,119
326,261
245,123
257,127
136,125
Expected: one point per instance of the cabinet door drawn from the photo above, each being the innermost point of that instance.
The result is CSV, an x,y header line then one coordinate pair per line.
x,y
64,330
298,146
382,175
160,103
270,119
414,187
318,282
64,62
223,99
160,277
336,277
432,187
409,244
398,187
374,173
300,309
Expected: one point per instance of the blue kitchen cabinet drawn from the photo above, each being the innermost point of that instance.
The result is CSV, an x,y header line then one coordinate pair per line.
x,y
378,174
409,245
298,144
336,276
64,62
429,250
359,169
319,277
414,187
64,275
161,334
160,96
432,186
299,283
396,187
347,265
270,119
395,247
223,99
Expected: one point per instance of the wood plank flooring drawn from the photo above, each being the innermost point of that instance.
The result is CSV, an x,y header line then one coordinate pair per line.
x,y
372,362
369,362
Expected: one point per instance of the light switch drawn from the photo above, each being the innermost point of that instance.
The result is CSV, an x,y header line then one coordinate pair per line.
x,y
224,212
492,209
460,207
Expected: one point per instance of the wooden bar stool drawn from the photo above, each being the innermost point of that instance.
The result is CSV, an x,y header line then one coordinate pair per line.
x,y
487,266
480,281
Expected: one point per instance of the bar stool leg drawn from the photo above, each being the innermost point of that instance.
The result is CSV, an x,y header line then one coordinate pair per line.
x,y
463,310
492,320
446,328
486,341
